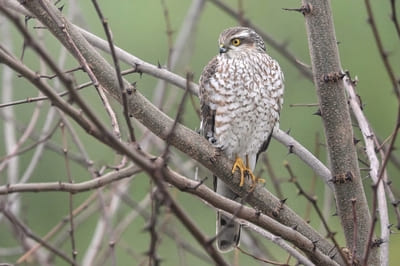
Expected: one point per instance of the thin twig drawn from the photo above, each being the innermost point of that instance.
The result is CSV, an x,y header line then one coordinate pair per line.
x,y
375,188
313,201
26,231
28,131
394,16
159,175
118,72
61,94
71,203
33,145
65,72
156,200
260,259
161,90
140,209
275,181
181,49
82,207
179,113
382,52
68,187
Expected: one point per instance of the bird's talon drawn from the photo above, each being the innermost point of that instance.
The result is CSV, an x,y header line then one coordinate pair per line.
x,y
242,168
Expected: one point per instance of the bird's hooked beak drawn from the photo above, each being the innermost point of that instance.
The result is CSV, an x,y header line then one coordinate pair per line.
x,y
222,48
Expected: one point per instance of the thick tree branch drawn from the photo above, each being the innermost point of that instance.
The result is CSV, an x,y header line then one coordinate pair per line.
x,y
337,123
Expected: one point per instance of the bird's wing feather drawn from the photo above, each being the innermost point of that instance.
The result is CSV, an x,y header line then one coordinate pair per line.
x,y
207,114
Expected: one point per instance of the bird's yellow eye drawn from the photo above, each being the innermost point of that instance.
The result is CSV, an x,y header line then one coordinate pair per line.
x,y
236,42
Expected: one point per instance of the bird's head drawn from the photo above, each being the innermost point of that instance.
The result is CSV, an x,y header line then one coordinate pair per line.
x,y
240,39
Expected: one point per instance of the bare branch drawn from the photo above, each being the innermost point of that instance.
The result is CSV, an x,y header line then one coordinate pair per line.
x,y
313,201
26,231
305,155
118,73
382,52
394,17
374,166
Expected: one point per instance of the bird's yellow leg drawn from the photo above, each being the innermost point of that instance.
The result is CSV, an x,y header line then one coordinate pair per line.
x,y
244,168
253,177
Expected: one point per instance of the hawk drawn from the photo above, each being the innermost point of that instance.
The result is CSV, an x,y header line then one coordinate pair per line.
x,y
241,95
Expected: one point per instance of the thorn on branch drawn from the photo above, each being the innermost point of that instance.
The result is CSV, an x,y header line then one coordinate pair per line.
x,y
396,203
315,244
27,17
376,243
201,182
291,147
304,9
342,178
333,77
61,8
333,255
318,112
356,141
349,176
278,208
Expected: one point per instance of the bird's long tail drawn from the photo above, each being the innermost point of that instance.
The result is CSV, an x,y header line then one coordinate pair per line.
x,y
228,231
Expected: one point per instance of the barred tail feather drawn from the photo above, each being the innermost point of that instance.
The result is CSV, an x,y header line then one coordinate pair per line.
x,y
228,231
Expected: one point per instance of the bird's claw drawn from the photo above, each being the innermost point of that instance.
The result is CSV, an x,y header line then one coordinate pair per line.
x,y
245,170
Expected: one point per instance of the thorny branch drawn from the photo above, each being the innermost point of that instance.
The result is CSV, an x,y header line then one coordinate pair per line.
x,y
26,231
124,90
382,52
374,165
313,201
71,202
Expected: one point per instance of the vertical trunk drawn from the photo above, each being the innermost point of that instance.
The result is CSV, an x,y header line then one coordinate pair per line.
x,y
337,125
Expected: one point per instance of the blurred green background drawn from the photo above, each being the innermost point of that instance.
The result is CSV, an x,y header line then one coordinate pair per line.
x,y
139,27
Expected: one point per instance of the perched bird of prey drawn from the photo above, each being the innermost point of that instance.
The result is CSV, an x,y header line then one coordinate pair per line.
x,y
241,95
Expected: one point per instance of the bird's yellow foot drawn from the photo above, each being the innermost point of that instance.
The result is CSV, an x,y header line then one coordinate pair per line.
x,y
245,170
